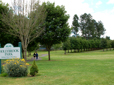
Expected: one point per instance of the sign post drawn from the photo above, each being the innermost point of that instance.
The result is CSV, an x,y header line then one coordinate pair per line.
x,y
19,45
9,52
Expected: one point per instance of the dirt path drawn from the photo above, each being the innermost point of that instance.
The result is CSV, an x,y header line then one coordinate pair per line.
x,y
43,55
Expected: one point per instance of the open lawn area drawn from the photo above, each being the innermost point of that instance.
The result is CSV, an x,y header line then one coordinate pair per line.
x,y
86,68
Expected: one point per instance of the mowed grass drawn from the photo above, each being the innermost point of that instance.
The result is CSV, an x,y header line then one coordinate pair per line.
x,y
86,68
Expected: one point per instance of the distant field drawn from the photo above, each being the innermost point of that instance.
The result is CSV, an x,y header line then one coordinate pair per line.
x,y
86,68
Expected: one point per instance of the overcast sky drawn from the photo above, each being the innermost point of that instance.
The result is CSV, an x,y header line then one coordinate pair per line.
x,y
100,10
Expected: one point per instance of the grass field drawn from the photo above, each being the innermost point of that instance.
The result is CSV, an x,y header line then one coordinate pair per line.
x,y
86,68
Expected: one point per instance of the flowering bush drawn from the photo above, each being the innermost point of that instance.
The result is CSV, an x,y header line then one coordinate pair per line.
x,y
16,67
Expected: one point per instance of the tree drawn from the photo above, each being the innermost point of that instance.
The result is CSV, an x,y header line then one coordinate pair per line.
x,y
85,20
112,44
90,28
66,45
32,46
26,22
103,43
100,29
57,46
75,24
56,26
6,38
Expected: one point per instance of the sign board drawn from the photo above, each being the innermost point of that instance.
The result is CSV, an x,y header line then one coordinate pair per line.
x,y
9,52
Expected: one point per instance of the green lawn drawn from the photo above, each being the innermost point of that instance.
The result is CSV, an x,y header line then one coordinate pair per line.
x,y
86,68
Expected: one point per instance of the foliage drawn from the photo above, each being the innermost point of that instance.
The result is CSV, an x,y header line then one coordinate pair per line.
x,y
33,69
4,75
90,28
16,67
57,46
66,45
56,26
75,24
103,43
2,69
112,44
5,37
78,43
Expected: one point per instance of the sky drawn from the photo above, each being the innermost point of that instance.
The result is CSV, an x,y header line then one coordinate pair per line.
x,y
101,10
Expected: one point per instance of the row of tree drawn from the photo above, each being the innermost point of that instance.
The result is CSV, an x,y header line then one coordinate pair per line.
x,y
88,26
81,44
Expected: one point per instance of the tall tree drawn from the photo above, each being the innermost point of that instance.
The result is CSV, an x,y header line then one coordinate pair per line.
x,y
75,24
85,20
90,28
23,22
56,26
100,29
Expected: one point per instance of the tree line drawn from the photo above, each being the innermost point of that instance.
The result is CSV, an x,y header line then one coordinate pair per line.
x,y
81,44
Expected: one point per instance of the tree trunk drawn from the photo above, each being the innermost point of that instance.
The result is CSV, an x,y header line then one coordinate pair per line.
x,y
74,50
25,54
103,49
65,52
81,50
107,49
28,53
71,50
68,51
49,54
78,50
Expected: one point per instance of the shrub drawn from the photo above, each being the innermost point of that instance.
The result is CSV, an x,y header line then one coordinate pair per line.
x,y
4,75
16,67
33,69
2,69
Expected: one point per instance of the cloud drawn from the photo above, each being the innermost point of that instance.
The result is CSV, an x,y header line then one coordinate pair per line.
x,y
110,2
98,3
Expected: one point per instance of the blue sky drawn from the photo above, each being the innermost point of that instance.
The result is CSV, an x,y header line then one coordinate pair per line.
x,y
100,5
100,10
